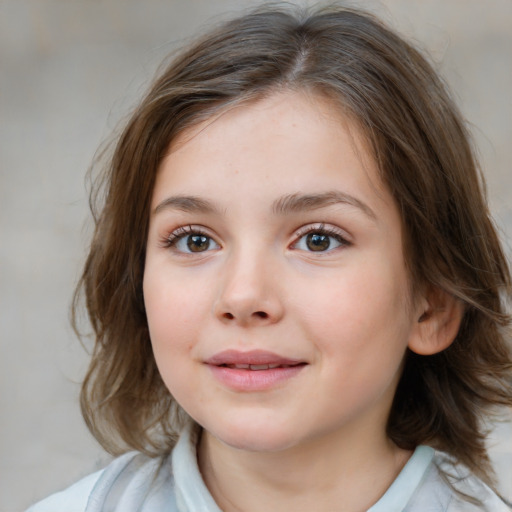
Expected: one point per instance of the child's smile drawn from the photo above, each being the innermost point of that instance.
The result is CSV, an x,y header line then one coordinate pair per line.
x,y
254,370
275,285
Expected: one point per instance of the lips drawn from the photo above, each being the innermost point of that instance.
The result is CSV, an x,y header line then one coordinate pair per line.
x,y
251,360
255,370
256,367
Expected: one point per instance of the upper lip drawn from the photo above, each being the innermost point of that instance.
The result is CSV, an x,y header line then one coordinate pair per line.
x,y
254,357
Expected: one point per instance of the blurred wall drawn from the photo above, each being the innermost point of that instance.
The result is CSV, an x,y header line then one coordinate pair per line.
x,y
69,70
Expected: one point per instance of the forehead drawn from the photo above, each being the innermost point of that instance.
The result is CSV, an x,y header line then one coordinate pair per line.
x,y
283,108
294,133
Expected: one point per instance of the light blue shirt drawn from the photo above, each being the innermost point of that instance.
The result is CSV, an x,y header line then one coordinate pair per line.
x,y
136,483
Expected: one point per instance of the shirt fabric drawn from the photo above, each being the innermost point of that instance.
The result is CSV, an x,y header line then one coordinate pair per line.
x,y
137,483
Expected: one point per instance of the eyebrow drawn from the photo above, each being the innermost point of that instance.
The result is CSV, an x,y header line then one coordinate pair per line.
x,y
298,202
284,205
189,204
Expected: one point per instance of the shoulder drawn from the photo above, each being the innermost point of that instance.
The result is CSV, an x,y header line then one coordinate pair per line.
x,y
72,499
450,487
467,492
132,475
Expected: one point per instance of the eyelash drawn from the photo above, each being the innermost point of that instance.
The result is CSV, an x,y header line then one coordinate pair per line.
x,y
176,235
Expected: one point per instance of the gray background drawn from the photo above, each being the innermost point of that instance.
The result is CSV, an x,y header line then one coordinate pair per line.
x,y
69,71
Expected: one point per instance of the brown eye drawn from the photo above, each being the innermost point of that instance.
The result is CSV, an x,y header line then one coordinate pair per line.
x,y
188,240
198,243
318,242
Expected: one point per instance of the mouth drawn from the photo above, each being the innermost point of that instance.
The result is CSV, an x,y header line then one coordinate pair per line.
x,y
255,370
258,367
256,360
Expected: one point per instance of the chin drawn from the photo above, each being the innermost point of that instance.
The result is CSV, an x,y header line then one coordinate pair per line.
x,y
253,436
259,442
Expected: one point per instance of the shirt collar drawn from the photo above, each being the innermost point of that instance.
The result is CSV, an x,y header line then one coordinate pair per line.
x,y
193,496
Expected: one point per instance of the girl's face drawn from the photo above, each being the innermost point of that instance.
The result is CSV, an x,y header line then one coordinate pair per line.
x,y
275,286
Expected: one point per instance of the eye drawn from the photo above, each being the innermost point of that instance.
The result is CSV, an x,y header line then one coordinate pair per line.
x,y
189,240
319,239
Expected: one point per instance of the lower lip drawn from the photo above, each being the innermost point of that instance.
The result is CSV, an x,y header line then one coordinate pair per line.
x,y
254,380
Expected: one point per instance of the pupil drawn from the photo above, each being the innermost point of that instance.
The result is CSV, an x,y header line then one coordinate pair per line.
x,y
197,243
316,242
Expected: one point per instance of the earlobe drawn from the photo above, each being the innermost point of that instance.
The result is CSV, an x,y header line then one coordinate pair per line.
x,y
438,321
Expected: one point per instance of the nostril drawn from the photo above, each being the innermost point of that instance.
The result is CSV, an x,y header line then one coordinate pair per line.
x,y
258,314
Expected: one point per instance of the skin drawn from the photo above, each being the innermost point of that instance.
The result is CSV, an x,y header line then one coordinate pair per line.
x,y
315,441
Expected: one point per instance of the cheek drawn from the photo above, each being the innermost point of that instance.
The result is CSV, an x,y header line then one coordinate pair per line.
x,y
173,318
174,314
362,338
365,313
171,303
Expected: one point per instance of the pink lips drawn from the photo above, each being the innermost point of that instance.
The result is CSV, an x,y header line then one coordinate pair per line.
x,y
255,370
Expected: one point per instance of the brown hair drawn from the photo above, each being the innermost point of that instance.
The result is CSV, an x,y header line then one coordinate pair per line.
x,y
422,147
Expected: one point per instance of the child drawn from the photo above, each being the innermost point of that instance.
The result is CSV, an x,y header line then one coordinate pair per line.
x,y
295,285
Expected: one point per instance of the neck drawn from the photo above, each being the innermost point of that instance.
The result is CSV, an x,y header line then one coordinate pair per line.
x,y
337,472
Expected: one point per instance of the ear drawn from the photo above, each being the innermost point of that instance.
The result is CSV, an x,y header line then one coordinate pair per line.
x,y
438,319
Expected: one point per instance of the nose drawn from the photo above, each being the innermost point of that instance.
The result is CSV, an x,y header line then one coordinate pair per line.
x,y
249,292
